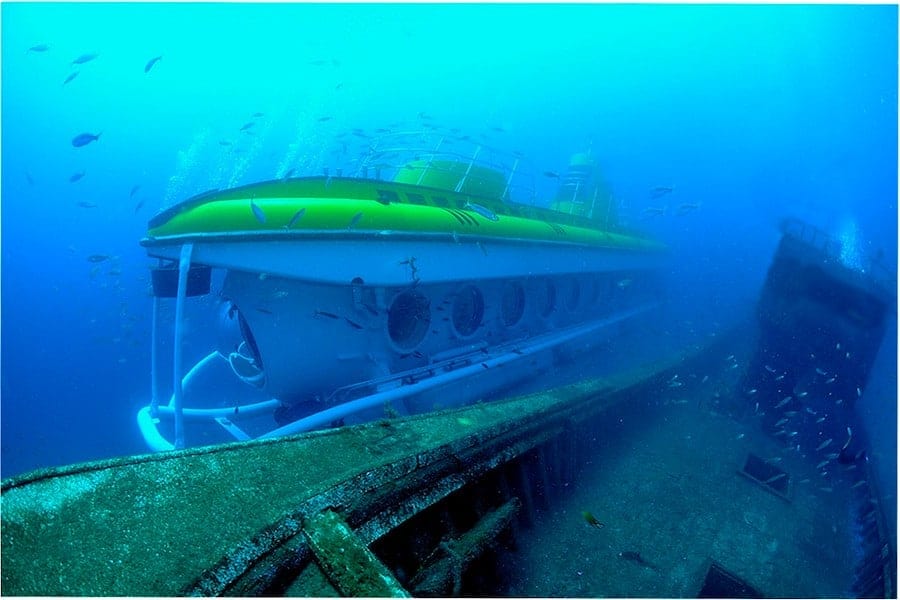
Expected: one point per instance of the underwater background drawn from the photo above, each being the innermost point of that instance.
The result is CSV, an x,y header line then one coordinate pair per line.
x,y
749,113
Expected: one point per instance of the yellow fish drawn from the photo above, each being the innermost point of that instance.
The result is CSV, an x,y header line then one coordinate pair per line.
x,y
591,519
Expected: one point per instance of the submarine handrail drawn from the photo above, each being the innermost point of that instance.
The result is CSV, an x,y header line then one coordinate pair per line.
x,y
413,145
538,344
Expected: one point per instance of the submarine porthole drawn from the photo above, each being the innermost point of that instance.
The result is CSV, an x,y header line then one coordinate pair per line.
x,y
467,311
545,295
512,303
408,319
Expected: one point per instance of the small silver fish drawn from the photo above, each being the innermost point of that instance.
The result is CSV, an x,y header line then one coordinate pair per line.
x,y
258,213
151,62
705,379
70,77
824,445
821,372
483,211
820,420
858,393
751,392
779,378
297,216
769,369
783,402
822,464
741,436
356,218
85,58
810,411
781,422
775,478
831,380
802,394
859,483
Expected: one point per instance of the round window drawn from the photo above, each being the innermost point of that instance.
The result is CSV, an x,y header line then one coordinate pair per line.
x,y
512,303
467,310
408,319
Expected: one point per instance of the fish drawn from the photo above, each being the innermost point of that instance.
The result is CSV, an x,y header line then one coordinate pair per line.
x,y
775,478
84,204
779,378
134,190
551,174
751,392
98,258
138,206
830,380
822,464
858,484
590,519
821,372
258,213
820,420
687,207
637,558
482,210
257,115
653,211
247,125
70,77
38,48
705,379
660,191
84,58
498,129
322,313
289,174
323,119
781,422
76,176
824,444
769,369
353,324
224,143
858,393
264,311
297,216
803,394
783,402
83,139
151,62
624,283
355,220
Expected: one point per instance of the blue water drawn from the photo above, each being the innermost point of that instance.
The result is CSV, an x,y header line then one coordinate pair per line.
x,y
752,113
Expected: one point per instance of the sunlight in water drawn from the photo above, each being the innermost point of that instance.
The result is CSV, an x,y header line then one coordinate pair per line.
x,y
851,252
186,160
